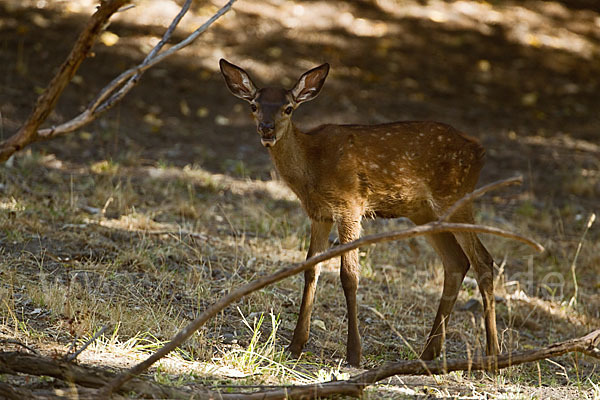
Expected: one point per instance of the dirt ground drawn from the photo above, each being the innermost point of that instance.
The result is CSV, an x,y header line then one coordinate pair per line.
x,y
523,77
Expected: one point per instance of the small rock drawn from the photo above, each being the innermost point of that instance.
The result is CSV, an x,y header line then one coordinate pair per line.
x,y
229,338
472,305
317,323
469,282
91,210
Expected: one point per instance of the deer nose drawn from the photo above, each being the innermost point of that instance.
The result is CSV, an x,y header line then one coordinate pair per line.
x,y
266,127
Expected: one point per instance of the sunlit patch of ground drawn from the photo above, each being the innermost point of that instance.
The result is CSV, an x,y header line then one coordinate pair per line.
x,y
119,266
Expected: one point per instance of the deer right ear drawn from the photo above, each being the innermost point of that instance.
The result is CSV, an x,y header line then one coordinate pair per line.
x,y
237,80
310,83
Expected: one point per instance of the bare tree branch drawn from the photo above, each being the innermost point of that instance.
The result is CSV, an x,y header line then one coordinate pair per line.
x,y
107,90
103,102
215,308
28,133
109,95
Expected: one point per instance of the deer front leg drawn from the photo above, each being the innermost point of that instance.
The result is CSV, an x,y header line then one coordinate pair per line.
x,y
348,231
319,242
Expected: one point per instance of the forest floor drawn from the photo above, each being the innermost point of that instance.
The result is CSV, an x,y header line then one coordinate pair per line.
x,y
94,225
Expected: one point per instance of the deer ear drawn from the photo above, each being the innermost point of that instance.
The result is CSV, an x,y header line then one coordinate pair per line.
x,y
237,80
310,83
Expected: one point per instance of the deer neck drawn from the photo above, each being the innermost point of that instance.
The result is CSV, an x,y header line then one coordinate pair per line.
x,y
289,157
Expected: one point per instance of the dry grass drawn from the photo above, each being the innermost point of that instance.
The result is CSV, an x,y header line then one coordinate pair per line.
x,y
132,242
115,249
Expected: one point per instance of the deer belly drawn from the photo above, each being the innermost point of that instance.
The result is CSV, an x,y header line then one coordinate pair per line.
x,y
396,205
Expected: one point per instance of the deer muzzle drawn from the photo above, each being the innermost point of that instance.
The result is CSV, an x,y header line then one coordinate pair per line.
x,y
267,133
268,141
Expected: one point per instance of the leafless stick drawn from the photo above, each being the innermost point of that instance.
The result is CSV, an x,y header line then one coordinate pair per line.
x,y
28,133
215,308
73,343
585,344
71,357
181,232
589,224
18,343
106,91
516,180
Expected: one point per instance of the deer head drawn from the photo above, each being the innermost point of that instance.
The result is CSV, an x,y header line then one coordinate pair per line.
x,y
272,107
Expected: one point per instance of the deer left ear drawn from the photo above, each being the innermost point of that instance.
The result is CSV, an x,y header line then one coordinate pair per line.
x,y
310,83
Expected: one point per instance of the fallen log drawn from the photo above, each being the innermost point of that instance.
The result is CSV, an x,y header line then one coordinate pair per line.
x,y
14,363
84,381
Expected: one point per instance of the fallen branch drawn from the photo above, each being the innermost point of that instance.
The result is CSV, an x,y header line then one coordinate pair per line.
x,y
125,382
15,362
110,94
355,385
237,294
12,392
586,344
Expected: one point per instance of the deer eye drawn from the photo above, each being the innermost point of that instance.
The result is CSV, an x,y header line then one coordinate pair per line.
x,y
289,110
253,107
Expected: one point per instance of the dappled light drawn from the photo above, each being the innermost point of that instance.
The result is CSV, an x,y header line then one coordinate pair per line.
x,y
143,218
536,24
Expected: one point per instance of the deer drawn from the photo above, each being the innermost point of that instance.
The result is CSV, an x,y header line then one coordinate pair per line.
x,y
344,173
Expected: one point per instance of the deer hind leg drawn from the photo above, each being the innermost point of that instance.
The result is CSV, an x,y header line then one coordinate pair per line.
x,y
319,242
349,230
483,264
456,265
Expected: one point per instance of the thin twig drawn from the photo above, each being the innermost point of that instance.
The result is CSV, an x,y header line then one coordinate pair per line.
x,y
71,357
181,232
125,8
106,91
73,343
516,180
18,343
102,104
589,224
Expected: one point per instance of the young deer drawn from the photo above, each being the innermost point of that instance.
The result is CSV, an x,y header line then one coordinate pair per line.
x,y
342,173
